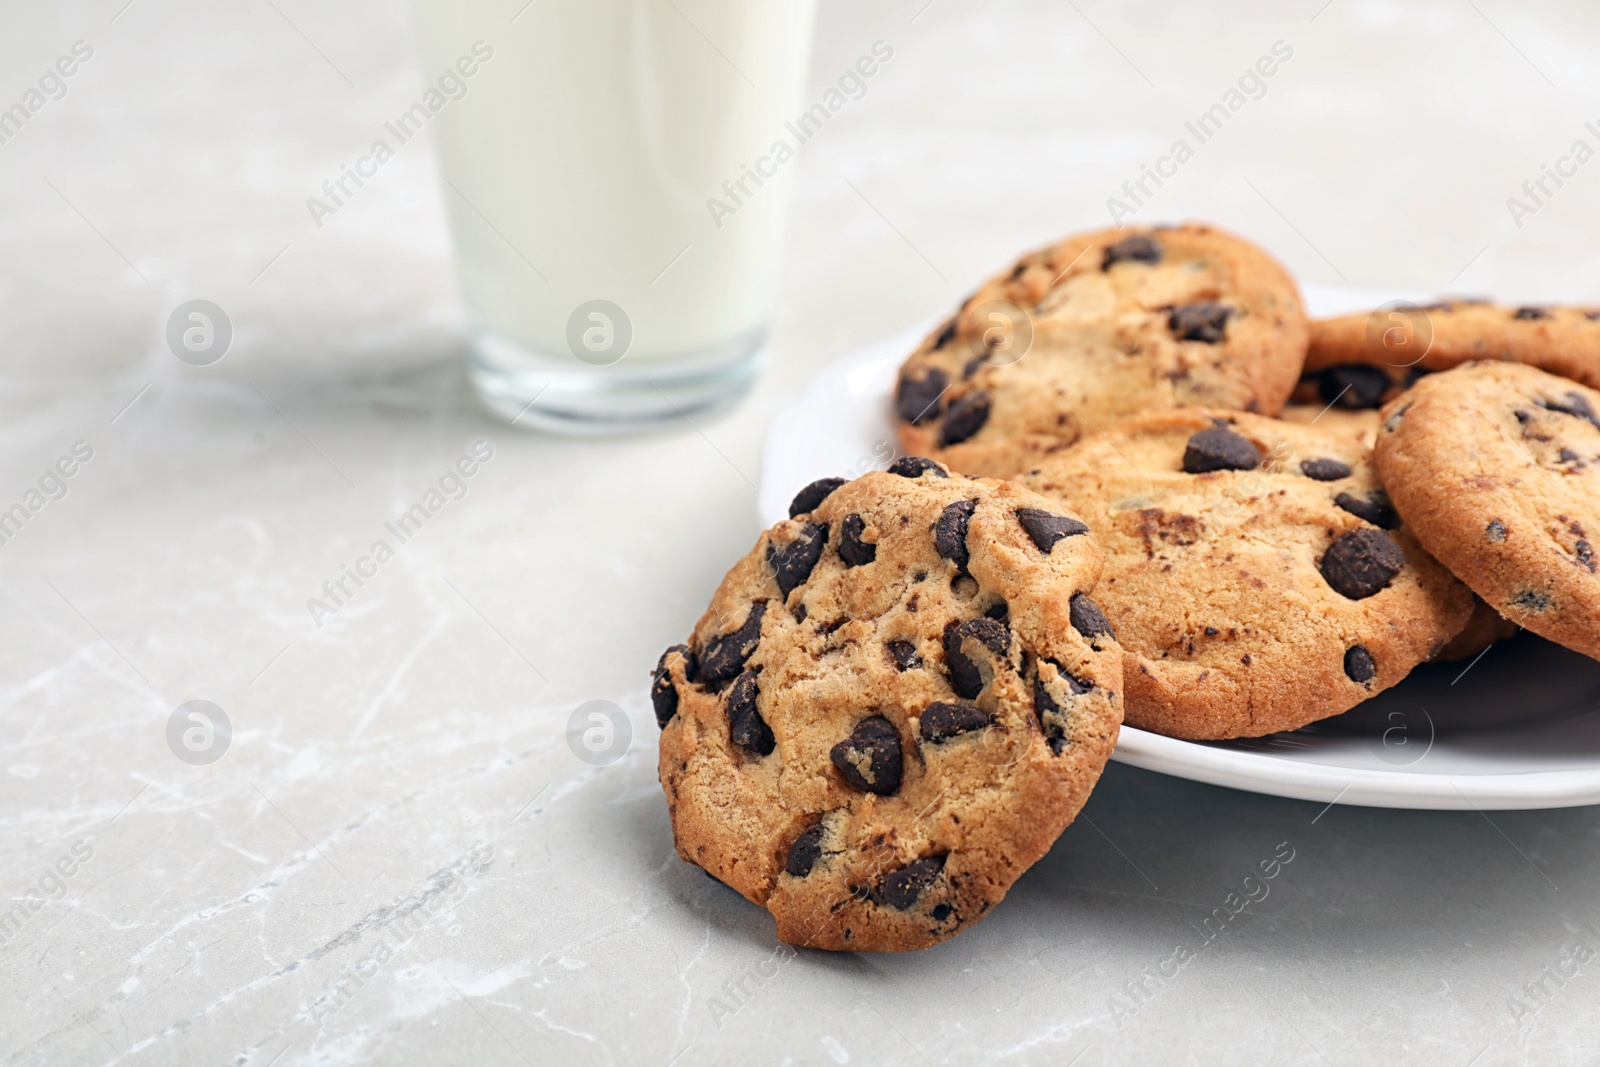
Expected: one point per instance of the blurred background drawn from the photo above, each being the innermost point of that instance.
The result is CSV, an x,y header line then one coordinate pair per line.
x,y
373,751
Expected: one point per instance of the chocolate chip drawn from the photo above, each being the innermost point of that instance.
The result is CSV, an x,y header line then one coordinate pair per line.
x,y
725,654
1496,530
1361,563
967,674
1585,553
1530,600
943,720
1000,612
806,851
1375,508
1052,717
870,758
1353,385
792,564
663,693
1135,249
904,655
1325,470
854,551
918,400
812,496
1200,322
1220,449
991,633
946,335
1358,664
914,466
1531,313
663,697
1574,404
900,889
940,912
746,727
965,418
1088,619
950,533
1045,529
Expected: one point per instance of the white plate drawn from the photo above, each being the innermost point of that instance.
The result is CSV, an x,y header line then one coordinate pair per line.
x,y
1520,730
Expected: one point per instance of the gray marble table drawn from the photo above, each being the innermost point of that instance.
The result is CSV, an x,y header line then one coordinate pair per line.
x,y
399,859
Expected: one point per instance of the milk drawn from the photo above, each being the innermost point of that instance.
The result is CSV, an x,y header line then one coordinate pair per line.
x,y
583,163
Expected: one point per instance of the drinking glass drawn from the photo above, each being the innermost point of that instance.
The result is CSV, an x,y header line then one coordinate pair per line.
x,y
616,193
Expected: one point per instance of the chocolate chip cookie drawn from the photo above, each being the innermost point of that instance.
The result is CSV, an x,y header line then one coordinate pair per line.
x,y
1256,575
1101,326
893,706
1496,466
1363,361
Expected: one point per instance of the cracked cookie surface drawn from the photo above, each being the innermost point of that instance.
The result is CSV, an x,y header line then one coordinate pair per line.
x,y
1101,326
892,708
1257,578
1496,466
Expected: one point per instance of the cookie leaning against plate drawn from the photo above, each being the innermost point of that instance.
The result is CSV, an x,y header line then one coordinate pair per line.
x,y
1496,466
893,707
1098,327
1255,574
1366,360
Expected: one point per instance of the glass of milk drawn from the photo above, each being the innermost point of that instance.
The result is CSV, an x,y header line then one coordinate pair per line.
x,y
616,194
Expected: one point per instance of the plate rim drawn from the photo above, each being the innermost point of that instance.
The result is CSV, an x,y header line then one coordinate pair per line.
x,y
1357,786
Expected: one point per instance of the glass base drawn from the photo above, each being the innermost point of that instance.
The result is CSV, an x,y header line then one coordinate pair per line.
x,y
559,393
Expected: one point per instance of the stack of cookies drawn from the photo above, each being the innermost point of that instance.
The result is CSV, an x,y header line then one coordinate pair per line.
x,y
1141,486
